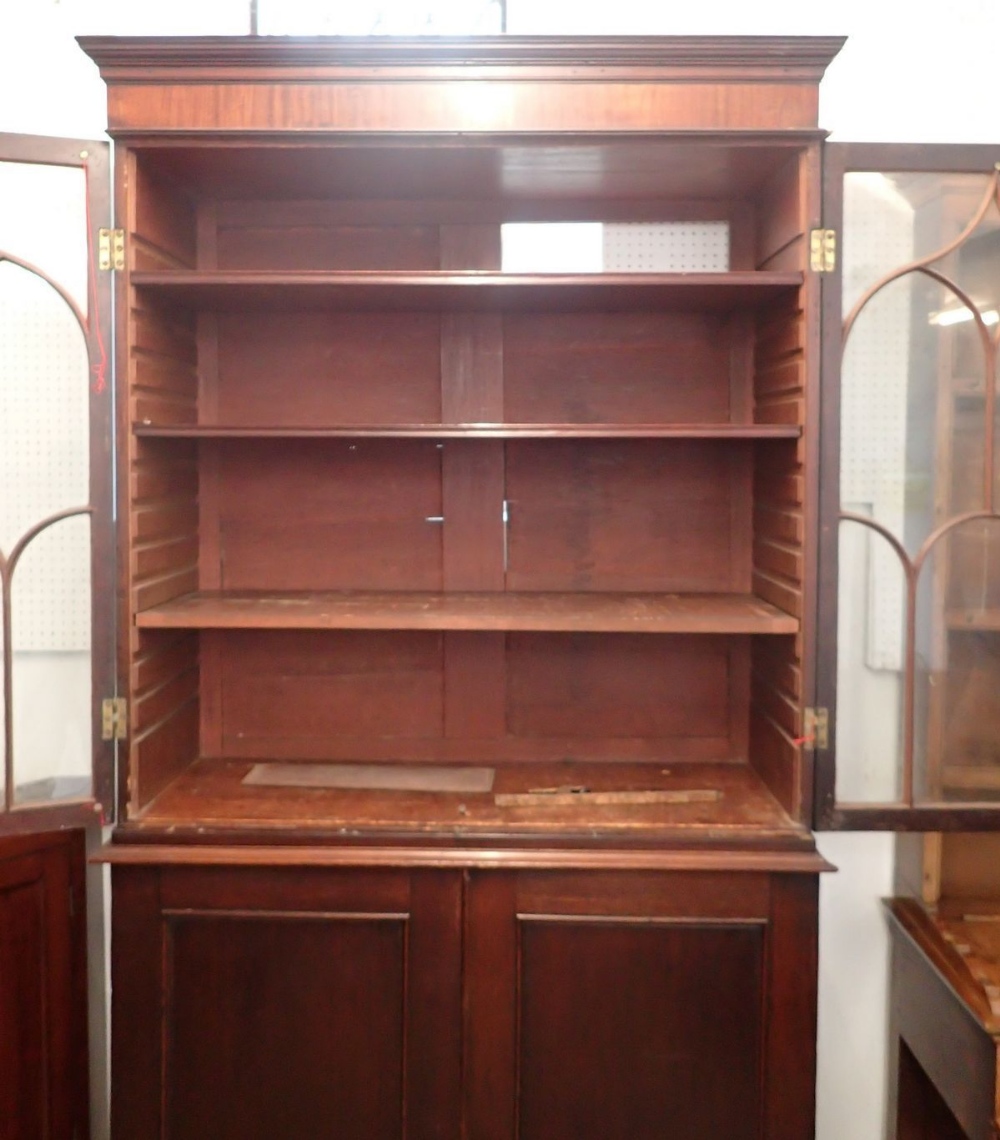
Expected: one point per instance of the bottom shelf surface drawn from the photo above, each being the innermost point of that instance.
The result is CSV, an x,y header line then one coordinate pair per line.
x,y
559,802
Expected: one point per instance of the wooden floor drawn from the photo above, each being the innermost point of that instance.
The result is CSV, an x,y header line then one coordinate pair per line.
x,y
211,794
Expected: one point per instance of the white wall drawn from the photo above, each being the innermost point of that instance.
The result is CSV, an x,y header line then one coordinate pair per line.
x,y
910,72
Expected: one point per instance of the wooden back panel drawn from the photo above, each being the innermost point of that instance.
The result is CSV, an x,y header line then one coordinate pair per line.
x,y
466,696
313,368
330,247
302,369
644,367
330,514
636,516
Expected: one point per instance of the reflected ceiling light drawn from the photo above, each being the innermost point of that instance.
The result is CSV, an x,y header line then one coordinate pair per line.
x,y
960,315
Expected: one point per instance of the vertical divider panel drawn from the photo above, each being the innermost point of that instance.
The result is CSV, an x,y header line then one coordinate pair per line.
x,y
739,697
741,338
207,340
475,686
472,473
211,657
210,576
492,991
434,976
471,368
208,235
472,491
741,463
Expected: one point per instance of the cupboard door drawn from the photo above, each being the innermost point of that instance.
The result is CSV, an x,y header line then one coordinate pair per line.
x,y
297,1002
56,530
909,656
628,1006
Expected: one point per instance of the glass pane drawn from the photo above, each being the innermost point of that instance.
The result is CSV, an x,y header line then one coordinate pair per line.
x,y
957,738
44,468
44,222
51,677
916,455
891,220
870,639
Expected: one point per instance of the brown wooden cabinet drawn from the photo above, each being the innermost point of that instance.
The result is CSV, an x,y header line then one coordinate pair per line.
x,y
386,500
640,1004
444,1001
305,1002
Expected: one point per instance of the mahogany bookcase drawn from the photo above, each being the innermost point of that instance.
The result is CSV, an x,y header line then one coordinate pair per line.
x,y
561,548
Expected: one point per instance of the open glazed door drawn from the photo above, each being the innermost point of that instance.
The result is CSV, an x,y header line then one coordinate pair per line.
x,y
909,621
56,527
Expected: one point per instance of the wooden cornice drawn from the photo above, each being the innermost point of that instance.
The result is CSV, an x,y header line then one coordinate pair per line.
x,y
801,57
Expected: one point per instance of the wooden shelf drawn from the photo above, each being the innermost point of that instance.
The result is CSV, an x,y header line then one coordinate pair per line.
x,y
475,431
241,290
972,778
211,794
543,612
975,621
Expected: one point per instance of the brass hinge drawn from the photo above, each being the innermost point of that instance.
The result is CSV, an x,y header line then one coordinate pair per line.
x,y
114,718
816,729
822,251
110,249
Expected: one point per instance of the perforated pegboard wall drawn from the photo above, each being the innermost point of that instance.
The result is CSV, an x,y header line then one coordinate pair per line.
x,y
666,247
44,461
43,220
615,247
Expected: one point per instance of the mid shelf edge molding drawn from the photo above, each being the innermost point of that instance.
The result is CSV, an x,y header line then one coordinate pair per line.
x,y
465,291
473,431
540,612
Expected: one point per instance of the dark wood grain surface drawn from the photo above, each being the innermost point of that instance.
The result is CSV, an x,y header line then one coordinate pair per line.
x,y
335,1003
433,178
240,290
477,431
44,1089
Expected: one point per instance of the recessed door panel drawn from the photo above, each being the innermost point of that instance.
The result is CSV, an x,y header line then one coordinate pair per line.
x,y
647,1029
280,1025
